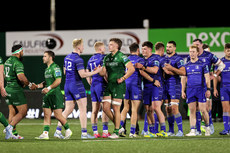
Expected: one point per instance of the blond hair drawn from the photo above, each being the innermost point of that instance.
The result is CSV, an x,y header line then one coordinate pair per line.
x,y
194,46
98,44
77,42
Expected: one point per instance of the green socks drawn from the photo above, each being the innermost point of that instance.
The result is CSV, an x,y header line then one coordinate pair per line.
x,y
46,128
3,120
66,126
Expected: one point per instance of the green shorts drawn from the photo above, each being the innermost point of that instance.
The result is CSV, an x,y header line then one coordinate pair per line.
x,y
115,90
15,98
53,101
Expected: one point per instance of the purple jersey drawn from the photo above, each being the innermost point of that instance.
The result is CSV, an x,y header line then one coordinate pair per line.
x,y
177,62
160,71
208,58
73,63
225,74
135,78
152,61
195,73
95,61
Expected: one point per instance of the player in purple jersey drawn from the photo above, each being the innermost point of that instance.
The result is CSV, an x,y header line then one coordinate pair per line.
x,y
173,67
210,59
151,67
196,74
224,89
74,88
97,84
133,95
158,115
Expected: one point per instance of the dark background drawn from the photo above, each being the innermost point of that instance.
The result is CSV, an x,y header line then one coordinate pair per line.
x,y
33,15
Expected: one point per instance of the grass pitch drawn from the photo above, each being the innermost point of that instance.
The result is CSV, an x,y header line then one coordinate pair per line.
x,y
32,128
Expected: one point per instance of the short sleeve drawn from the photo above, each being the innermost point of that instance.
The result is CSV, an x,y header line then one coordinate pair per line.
x,y
180,62
155,62
214,59
205,69
125,59
19,68
57,72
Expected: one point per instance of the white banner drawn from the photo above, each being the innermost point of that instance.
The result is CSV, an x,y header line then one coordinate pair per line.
x,y
34,42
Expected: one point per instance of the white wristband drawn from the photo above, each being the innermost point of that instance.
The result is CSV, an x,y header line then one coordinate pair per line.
x,y
215,75
49,88
30,84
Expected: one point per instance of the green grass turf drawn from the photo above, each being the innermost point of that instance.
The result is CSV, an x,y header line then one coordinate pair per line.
x,y
32,128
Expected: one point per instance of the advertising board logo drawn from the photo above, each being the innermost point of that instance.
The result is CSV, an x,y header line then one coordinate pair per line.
x,y
39,43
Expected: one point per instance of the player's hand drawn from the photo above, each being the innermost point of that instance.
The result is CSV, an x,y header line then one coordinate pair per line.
x,y
207,94
120,80
212,77
45,90
183,94
3,92
168,67
139,65
98,69
157,83
215,93
34,86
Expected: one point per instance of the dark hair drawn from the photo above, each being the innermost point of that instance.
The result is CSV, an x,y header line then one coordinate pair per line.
x,y
205,46
16,47
133,47
117,41
159,45
172,42
198,40
227,46
148,44
50,53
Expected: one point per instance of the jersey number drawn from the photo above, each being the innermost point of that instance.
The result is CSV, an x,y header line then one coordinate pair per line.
x,y
7,70
91,65
68,65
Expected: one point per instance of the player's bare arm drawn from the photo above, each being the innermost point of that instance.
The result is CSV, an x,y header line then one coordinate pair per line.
x,y
220,68
207,80
23,79
103,72
83,73
180,71
53,85
183,86
152,70
215,81
130,71
146,76
3,91
89,79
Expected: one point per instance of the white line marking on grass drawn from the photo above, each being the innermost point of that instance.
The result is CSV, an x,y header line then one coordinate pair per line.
x,y
157,139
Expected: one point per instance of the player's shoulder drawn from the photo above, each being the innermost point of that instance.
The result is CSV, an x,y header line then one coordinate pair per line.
x,y
207,54
120,54
55,66
188,63
223,59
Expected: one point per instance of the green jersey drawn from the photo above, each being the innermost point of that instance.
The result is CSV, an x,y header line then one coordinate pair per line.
x,y
115,66
12,67
51,74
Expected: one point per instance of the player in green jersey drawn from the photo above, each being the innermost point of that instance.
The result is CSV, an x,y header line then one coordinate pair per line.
x,y
3,120
114,66
3,91
53,99
15,81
